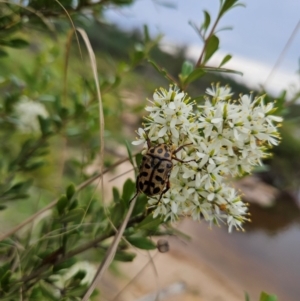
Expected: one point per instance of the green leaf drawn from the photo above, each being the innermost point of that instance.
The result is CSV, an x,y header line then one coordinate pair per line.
x,y
45,124
15,43
34,165
117,214
124,256
247,297
62,204
129,152
228,4
116,195
146,34
206,22
73,204
142,242
225,60
70,191
198,72
138,159
212,45
221,70
2,207
18,188
140,205
128,191
162,71
187,68
5,280
150,223
266,297
73,216
49,291
64,265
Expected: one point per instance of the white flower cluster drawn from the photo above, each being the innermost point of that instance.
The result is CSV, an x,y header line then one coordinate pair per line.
x,y
27,112
228,138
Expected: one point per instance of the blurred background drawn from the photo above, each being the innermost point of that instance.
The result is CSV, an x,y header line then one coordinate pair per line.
x,y
264,42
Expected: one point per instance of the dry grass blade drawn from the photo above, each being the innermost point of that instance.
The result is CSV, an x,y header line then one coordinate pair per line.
x,y
101,116
110,254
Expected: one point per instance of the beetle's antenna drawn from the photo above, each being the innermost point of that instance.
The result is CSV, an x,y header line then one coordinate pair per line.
x,y
122,174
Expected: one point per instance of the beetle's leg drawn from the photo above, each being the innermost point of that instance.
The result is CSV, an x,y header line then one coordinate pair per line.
x,y
135,196
181,147
148,142
165,190
177,150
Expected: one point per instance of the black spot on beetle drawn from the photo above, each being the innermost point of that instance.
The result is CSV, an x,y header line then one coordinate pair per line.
x,y
166,155
158,178
151,150
144,174
156,190
147,166
160,170
147,191
169,165
160,150
141,186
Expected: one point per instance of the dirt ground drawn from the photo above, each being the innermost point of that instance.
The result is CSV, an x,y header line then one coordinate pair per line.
x,y
178,275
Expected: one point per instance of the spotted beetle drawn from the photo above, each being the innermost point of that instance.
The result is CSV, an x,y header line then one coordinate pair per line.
x,y
155,169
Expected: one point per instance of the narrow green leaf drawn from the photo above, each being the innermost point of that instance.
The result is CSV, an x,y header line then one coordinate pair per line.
x,y
116,195
221,70
266,297
117,213
187,68
73,204
5,280
62,204
70,191
142,243
138,159
160,70
64,265
15,43
45,124
129,152
73,216
212,45
225,60
206,22
2,207
146,34
128,190
228,4
34,165
124,256
197,73
247,297
149,223
19,188
49,291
